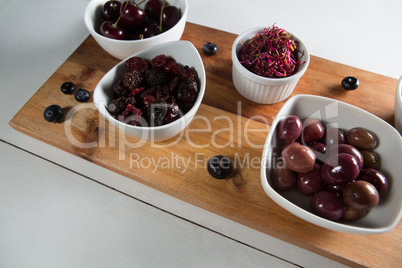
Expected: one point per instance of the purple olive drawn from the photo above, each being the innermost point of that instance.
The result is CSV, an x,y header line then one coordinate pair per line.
x,y
298,158
283,179
289,129
320,150
327,205
340,169
338,189
334,136
312,131
376,178
310,182
348,149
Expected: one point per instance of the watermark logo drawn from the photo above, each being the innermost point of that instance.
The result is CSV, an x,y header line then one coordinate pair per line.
x,y
219,131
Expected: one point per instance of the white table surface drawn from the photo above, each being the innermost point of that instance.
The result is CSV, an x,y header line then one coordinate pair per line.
x,y
57,210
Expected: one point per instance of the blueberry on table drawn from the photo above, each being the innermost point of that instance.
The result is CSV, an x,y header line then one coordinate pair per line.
x,y
209,48
350,83
82,95
219,167
67,88
53,113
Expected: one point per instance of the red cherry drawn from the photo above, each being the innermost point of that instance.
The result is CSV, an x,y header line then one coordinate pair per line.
x,y
111,30
151,29
111,10
170,16
153,9
131,15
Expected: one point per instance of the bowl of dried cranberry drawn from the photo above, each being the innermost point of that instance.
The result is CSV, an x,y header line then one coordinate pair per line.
x,y
330,164
268,63
123,28
155,93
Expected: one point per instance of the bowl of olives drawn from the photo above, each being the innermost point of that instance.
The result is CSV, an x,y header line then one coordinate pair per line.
x,y
154,94
330,163
124,27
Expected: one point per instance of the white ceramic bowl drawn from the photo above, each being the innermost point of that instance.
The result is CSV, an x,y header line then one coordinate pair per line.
x,y
121,49
387,213
398,106
184,53
261,89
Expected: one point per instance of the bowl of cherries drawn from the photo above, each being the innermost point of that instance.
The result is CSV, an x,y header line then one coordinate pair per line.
x,y
124,27
331,164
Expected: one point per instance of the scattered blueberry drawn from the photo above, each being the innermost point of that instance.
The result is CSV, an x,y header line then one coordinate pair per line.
x,y
67,88
82,95
210,48
53,113
219,167
350,83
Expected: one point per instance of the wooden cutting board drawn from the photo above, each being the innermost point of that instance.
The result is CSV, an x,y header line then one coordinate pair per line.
x,y
226,124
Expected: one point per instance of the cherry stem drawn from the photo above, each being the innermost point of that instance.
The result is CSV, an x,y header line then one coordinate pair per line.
x,y
121,13
117,21
141,2
163,6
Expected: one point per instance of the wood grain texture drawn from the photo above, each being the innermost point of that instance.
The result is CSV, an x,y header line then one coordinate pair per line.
x,y
227,124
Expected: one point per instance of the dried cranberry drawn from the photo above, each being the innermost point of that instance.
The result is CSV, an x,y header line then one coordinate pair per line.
x,y
148,99
157,112
169,60
132,115
188,72
155,77
130,108
150,90
187,90
162,92
173,110
159,62
132,80
136,91
172,67
185,96
120,90
191,84
118,105
136,64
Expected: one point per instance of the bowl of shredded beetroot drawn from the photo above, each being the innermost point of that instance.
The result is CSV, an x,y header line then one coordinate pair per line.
x,y
268,63
271,53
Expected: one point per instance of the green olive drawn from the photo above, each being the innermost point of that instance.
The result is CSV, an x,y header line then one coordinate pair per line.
x,y
371,159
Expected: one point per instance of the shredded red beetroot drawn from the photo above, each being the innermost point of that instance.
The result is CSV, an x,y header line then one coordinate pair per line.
x,y
271,53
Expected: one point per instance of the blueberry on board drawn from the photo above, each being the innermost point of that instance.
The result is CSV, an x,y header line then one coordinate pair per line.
x,y
82,95
53,113
350,83
210,48
219,167
68,88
